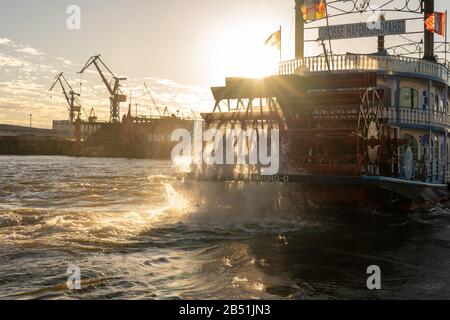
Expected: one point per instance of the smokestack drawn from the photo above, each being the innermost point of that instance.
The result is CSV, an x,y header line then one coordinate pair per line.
x,y
299,31
429,36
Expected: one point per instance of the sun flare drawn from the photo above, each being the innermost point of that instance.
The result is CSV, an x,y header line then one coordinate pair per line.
x,y
242,53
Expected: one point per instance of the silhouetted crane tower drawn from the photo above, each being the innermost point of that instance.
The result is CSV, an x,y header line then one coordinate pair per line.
x,y
69,94
113,86
92,117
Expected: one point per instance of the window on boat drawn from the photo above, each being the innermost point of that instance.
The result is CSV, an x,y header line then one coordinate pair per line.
x,y
387,96
442,105
409,98
425,100
440,102
412,142
435,147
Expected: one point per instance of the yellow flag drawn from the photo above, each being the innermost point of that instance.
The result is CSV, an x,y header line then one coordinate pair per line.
x,y
274,40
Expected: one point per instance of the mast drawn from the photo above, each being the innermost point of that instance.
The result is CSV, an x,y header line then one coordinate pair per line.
x,y
429,36
381,39
446,30
281,47
299,31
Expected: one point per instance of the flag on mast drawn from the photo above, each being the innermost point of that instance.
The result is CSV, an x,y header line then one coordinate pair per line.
x,y
436,23
274,40
314,10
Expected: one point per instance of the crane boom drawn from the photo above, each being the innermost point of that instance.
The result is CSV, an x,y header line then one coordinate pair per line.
x,y
58,80
116,96
151,96
93,61
153,99
69,94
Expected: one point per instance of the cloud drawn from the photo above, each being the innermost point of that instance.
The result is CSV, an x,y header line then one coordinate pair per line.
x,y
12,62
26,75
177,97
5,41
30,51
25,49
65,61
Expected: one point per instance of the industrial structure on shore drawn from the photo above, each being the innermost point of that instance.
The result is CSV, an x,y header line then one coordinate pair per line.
x,y
130,136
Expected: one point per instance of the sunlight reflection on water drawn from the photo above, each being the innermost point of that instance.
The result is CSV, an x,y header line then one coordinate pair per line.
x,y
147,235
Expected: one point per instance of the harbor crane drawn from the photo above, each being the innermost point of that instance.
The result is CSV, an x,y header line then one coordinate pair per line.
x,y
92,116
113,86
70,95
166,110
153,99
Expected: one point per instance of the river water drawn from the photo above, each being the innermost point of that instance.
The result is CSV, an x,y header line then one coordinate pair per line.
x,y
134,235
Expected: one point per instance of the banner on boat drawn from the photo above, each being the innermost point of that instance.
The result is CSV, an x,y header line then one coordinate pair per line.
x,y
362,30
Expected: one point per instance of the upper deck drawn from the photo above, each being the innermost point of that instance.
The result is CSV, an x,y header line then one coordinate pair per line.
x,y
404,67
390,65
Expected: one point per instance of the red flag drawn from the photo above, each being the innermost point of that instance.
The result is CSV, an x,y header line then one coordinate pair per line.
x,y
436,23
314,10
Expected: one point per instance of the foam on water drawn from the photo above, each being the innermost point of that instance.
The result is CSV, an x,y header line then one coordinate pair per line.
x,y
136,231
101,230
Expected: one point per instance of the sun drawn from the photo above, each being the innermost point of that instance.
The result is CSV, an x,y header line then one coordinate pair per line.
x,y
241,52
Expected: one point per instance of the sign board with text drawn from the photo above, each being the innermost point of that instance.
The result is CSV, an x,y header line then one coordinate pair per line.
x,y
362,30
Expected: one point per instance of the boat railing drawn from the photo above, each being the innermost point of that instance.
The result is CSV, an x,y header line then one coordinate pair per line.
x,y
447,172
425,164
415,116
364,62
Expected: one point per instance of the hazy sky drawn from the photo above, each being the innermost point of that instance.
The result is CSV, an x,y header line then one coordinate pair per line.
x,y
180,48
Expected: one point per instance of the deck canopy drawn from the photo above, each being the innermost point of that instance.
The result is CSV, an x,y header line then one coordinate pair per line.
x,y
280,86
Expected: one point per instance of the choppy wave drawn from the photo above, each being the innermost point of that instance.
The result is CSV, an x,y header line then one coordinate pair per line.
x,y
172,219
138,232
